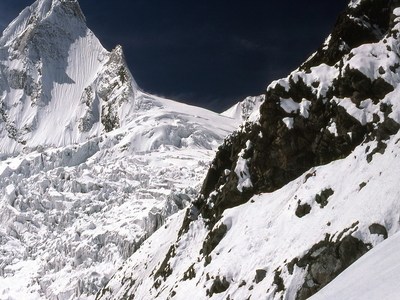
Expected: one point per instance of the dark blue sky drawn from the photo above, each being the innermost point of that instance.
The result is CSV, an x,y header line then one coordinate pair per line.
x,y
211,53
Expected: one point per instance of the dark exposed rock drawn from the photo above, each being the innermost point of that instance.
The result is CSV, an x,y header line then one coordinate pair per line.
x,y
378,229
207,260
302,210
322,199
362,185
260,275
278,281
327,259
385,129
109,117
309,175
218,286
165,269
380,148
394,67
189,274
213,238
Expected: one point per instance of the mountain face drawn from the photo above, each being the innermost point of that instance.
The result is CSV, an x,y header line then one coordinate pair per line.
x,y
91,165
301,190
59,86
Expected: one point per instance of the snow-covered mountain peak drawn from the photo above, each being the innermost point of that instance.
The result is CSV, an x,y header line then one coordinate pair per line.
x,y
41,10
59,86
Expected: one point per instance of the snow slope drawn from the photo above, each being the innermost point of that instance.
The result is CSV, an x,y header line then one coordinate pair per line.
x,y
91,165
264,235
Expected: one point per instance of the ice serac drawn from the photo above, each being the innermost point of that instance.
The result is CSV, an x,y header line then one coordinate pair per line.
x,y
90,165
301,190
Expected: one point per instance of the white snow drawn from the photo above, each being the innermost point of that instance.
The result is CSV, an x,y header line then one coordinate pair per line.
x,y
288,121
291,106
326,42
354,3
365,113
333,129
282,82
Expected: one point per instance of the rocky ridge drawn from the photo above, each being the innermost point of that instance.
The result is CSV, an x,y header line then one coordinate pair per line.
x,y
302,122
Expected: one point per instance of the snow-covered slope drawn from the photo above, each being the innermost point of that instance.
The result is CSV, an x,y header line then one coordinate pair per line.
x,y
302,190
91,165
263,247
